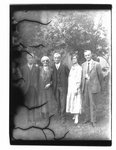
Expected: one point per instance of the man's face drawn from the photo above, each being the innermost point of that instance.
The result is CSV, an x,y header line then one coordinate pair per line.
x,y
45,62
29,59
88,55
57,59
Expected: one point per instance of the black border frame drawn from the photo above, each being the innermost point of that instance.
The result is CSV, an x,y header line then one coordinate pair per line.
x,y
16,7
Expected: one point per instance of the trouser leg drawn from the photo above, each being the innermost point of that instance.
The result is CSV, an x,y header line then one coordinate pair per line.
x,y
29,115
86,104
92,108
33,115
58,101
63,102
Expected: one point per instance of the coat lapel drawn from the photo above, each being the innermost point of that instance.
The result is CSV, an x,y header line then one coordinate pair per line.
x,y
60,67
32,69
86,66
54,68
92,66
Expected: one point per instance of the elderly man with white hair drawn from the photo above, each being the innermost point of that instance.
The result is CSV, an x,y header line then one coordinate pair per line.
x,y
45,95
60,84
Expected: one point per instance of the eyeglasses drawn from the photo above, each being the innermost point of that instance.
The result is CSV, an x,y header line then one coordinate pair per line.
x,y
45,61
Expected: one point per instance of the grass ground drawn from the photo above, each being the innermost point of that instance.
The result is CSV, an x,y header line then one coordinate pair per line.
x,y
67,131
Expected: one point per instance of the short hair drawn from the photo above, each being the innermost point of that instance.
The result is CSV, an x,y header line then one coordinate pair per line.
x,y
57,54
74,55
87,51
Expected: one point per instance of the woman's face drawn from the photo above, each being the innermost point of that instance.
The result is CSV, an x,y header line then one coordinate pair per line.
x,y
74,60
45,62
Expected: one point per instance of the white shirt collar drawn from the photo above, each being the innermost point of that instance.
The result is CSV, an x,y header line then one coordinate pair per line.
x,y
30,66
57,66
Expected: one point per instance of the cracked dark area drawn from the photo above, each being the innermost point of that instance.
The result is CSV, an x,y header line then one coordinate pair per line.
x,y
51,128
23,46
33,21
31,108
43,129
17,95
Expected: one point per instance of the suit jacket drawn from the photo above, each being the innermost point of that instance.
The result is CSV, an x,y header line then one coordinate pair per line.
x,y
96,77
30,77
60,77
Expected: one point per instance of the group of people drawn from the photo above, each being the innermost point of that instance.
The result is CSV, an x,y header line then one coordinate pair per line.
x,y
59,90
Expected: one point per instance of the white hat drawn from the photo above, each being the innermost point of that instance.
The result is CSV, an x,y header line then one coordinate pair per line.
x,y
45,58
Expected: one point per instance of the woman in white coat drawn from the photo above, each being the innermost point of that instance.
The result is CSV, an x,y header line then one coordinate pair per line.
x,y
73,104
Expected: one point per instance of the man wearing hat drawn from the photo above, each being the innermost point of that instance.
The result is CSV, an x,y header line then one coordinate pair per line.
x,y
60,84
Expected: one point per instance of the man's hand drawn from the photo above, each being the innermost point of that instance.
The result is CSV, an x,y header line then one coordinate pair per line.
x,y
87,76
76,92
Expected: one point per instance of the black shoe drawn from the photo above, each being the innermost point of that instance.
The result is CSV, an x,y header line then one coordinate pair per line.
x,y
93,124
59,113
86,121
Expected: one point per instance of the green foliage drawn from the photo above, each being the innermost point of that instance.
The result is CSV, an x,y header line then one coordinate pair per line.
x,y
74,31
68,32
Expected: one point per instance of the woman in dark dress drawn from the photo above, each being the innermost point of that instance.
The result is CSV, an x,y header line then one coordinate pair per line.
x,y
45,91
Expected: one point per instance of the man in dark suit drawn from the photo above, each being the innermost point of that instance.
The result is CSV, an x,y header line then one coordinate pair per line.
x,y
30,85
91,86
60,84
